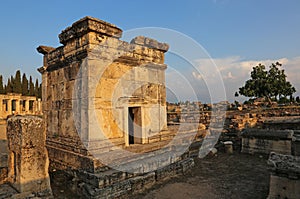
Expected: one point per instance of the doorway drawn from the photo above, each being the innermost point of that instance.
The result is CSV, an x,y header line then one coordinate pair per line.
x,y
134,125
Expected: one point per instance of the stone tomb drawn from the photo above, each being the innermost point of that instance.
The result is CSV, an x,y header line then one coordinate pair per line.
x,y
266,141
100,92
104,102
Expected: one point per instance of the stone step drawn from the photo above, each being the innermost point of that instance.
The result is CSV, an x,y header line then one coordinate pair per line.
x,y
155,153
114,177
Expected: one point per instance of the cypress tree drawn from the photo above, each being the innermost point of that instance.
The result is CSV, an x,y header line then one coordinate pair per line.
x,y
1,85
31,87
11,84
9,88
36,88
40,91
17,86
24,85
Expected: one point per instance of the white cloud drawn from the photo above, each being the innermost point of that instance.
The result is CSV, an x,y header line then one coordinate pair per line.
x,y
229,76
235,71
196,75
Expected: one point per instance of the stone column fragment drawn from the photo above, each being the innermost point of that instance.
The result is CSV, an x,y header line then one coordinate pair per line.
x,y
28,157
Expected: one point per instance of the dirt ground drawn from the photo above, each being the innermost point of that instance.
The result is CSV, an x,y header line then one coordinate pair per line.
x,y
237,176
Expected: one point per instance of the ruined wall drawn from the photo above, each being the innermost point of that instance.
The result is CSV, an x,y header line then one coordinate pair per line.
x,y
93,75
28,158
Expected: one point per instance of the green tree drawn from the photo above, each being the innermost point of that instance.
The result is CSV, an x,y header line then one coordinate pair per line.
x,y
40,91
17,86
31,87
24,85
236,94
36,88
2,91
268,84
9,86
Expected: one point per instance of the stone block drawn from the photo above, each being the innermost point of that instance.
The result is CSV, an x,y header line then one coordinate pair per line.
x,y
28,157
266,141
140,183
86,24
151,43
285,176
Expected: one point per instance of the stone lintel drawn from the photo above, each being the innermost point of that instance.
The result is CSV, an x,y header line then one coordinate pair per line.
x,y
284,164
150,43
268,134
89,24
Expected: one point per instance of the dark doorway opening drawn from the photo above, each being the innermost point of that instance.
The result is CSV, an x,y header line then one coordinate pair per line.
x,y
135,125
13,105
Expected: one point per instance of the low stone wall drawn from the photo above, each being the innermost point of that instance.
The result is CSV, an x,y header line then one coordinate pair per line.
x,y
285,176
265,141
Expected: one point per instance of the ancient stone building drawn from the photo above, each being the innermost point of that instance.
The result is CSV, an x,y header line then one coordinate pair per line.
x,y
104,103
98,88
13,103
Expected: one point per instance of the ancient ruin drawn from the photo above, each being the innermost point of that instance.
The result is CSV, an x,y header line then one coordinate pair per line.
x,y
104,123
28,158
13,103
87,44
102,96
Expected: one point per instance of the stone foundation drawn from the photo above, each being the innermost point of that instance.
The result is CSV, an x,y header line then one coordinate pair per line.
x,y
285,176
116,184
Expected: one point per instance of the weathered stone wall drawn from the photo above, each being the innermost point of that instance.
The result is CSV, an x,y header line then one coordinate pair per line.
x,y
265,141
28,158
74,95
285,176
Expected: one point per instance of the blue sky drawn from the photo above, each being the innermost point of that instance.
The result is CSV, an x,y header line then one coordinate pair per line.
x,y
237,34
